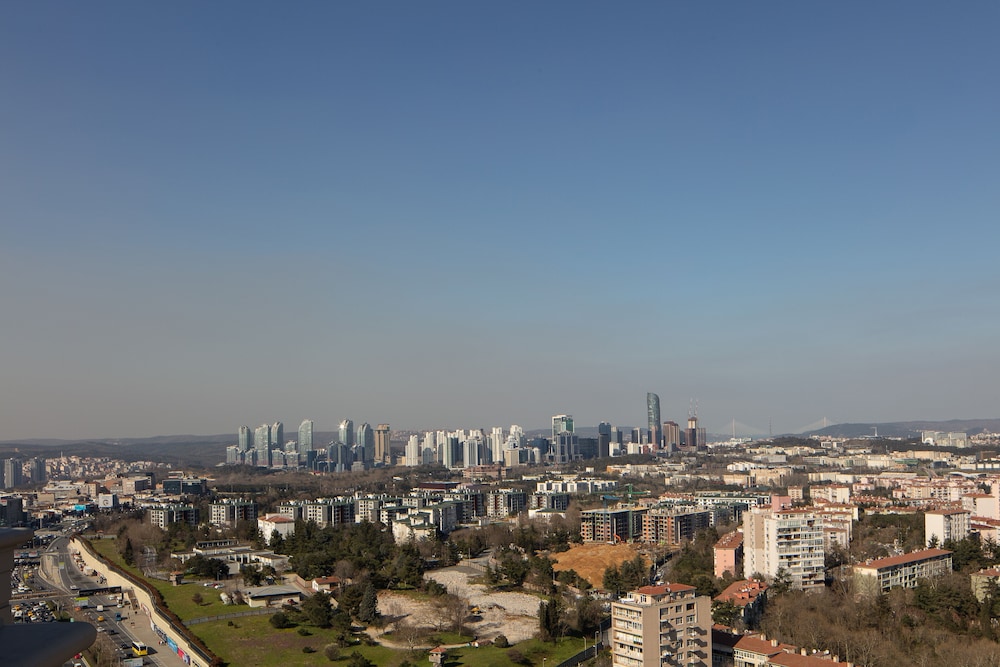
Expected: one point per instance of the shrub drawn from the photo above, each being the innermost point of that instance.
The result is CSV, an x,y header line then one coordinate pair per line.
x,y
280,620
304,632
501,641
308,649
332,652
516,656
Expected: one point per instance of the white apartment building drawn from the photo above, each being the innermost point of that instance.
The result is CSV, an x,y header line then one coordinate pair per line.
x,y
785,541
661,625
946,525
878,576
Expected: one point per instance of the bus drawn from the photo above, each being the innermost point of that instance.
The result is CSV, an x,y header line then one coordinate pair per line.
x,y
139,648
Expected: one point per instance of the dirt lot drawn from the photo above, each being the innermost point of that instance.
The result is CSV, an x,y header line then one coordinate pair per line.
x,y
512,614
590,560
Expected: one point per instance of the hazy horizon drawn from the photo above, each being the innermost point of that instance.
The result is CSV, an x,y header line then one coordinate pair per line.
x,y
450,213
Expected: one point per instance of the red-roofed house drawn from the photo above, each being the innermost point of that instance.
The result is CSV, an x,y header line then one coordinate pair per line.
x,y
750,595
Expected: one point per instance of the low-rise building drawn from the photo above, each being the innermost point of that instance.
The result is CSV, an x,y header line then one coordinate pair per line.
x,y
165,515
881,575
276,523
750,595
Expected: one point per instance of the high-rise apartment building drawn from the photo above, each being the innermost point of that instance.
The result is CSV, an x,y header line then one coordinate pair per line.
x,y
653,419
412,454
305,439
245,439
36,470
262,445
12,473
365,440
347,433
785,543
277,435
662,625
382,451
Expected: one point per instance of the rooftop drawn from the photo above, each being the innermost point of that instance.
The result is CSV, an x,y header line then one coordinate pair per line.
x,y
912,557
730,540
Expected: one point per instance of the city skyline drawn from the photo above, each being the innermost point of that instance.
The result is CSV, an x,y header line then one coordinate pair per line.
x,y
492,214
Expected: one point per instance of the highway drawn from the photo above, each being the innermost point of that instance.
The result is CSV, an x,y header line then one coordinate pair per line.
x,y
60,571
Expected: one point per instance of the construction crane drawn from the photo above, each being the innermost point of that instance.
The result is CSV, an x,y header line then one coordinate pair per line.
x,y
631,493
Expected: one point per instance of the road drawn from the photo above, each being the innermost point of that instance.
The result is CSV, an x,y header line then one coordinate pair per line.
x,y
61,572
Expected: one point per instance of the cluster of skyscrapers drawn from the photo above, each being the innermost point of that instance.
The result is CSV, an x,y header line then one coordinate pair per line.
x,y
13,472
667,435
364,447
266,447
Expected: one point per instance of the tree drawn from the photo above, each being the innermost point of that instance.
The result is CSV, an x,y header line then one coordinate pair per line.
x,y
368,609
358,660
197,599
317,609
332,652
129,554
726,613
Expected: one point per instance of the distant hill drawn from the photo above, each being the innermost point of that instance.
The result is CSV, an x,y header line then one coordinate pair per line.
x,y
907,429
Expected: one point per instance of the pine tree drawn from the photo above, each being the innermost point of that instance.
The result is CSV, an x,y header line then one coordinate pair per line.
x,y
129,554
368,609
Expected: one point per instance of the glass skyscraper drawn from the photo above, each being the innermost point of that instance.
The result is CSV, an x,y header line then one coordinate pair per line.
x,y
653,418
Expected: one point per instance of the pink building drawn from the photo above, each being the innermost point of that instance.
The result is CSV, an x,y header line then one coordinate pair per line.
x,y
729,554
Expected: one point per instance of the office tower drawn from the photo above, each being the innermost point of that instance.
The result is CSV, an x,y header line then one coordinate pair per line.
x,y
637,435
653,418
517,434
365,440
562,424
305,441
277,435
262,446
12,473
788,541
245,439
661,625
671,436
691,435
604,440
347,433
412,454
382,449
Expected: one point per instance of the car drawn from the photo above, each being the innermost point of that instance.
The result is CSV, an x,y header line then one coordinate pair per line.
x,y
100,619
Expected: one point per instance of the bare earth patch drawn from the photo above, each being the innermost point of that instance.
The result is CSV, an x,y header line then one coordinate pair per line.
x,y
590,560
514,615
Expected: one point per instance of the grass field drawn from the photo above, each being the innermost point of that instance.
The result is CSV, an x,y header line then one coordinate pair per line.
x,y
251,640
178,598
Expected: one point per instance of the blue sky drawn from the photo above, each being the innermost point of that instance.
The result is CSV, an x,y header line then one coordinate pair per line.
x,y
474,214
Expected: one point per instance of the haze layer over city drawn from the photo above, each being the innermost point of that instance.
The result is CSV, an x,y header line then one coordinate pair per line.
x,y
466,215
